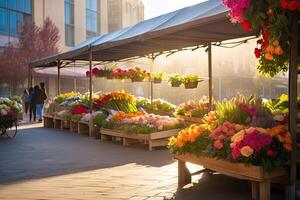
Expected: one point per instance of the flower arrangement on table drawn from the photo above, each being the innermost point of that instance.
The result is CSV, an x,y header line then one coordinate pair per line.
x,y
272,19
193,108
269,148
142,123
78,111
158,106
66,96
10,110
120,101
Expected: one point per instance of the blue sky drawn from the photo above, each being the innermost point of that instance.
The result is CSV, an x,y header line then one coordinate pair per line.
x,y
157,7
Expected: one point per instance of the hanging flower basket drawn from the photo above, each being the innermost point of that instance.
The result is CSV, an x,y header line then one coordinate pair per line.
x,y
157,80
137,79
191,85
175,83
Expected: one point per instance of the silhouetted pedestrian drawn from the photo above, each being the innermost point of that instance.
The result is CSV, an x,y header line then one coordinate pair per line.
x,y
32,105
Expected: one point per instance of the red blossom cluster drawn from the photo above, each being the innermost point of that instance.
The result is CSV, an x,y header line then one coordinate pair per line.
x,y
79,109
120,73
225,131
248,108
293,5
103,100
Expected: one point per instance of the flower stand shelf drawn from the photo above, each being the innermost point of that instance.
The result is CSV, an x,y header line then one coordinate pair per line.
x,y
58,122
260,180
48,121
74,126
157,139
83,128
189,119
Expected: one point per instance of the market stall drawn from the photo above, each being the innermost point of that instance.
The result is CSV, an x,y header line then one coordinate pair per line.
x,y
202,25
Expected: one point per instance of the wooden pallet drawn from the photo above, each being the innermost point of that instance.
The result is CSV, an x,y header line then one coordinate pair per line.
x,y
58,122
74,126
189,119
48,121
158,139
260,180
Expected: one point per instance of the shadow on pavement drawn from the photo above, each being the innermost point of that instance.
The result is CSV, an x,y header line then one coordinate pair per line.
x,y
38,152
217,186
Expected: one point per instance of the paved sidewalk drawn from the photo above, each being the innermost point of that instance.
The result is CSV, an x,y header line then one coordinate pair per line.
x,y
52,164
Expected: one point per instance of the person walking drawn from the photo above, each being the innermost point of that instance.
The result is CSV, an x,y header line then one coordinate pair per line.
x,y
44,96
25,101
39,99
32,106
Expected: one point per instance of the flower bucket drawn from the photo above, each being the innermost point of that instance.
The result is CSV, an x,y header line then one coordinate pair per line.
x,y
175,84
137,79
157,80
191,85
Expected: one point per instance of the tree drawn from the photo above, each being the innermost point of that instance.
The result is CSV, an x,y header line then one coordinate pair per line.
x,y
34,43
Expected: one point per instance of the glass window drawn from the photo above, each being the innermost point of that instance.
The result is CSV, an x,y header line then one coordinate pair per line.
x,y
12,22
27,6
69,33
3,20
20,5
12,4
92,18
19,22
3,3
92,5
69,22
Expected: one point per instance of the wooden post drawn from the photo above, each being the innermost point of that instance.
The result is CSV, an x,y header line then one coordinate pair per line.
x,y
184,176
210,75
58,76
254,190
91,124
294,59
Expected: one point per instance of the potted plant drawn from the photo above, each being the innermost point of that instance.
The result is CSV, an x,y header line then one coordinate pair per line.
x,y
138,75
157,77
175,80
190,81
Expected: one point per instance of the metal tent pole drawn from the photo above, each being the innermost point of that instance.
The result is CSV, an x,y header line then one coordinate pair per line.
x,y
294,59
151,80
91,124
209,74
58,76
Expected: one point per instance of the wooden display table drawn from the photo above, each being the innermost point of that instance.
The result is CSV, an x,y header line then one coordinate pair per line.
x,y
260,180
48,121
83,128
65,124
74,126
189,119
158,139
58,121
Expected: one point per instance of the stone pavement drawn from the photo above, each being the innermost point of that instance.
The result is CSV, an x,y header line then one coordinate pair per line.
x,y
52,164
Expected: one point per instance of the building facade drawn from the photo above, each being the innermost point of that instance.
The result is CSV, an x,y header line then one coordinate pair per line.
x,y
123,13
77,20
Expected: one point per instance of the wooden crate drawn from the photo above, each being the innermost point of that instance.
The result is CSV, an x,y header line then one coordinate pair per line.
x,y
48,121
83,128
58,122
189,119
66,124
260,180
74,126
157,139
